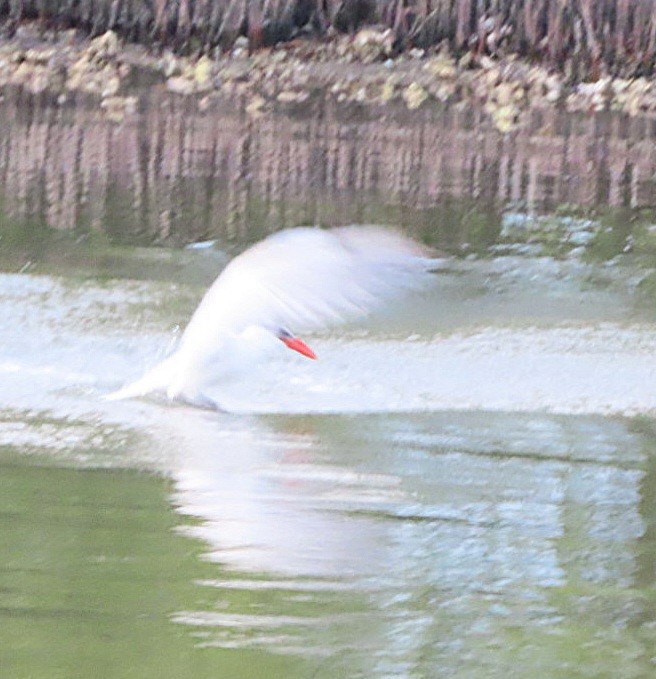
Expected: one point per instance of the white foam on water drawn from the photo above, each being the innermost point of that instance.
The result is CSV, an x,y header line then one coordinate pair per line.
x,y
91,339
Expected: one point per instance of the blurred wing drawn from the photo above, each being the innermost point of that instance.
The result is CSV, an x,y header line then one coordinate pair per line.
x,y
307,278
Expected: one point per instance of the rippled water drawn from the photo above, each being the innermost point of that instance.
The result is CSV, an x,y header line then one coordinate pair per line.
x,y
464,486
456,488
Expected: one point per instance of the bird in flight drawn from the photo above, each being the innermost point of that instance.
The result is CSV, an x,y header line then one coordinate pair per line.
x,y
303,278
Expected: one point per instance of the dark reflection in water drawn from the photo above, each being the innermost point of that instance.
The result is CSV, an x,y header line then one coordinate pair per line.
x,y
175,173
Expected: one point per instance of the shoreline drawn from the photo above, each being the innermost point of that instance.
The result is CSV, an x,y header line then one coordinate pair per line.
x,y
348,69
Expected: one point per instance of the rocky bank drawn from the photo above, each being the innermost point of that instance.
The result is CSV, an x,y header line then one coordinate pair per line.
x,y
360,69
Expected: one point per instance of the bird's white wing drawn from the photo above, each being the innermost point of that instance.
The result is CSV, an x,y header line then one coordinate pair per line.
x,y
307,278
298,279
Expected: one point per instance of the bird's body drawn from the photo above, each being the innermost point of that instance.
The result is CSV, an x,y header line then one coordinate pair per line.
x,y
303,278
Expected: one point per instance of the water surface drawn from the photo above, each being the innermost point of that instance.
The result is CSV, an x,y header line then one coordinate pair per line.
x,y
474,514
463,486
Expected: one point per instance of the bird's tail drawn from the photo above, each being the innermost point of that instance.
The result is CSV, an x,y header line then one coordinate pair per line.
x,y
158,378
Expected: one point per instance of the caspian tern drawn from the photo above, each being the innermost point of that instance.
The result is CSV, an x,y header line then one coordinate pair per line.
x,y
304,277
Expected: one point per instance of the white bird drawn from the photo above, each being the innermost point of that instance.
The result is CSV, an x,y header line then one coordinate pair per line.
x,y
304,278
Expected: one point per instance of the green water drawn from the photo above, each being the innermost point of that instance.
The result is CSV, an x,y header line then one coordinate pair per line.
x,y
460,490
92,570
464,560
